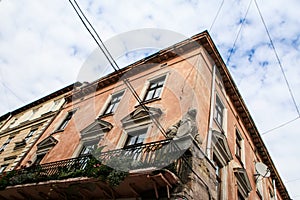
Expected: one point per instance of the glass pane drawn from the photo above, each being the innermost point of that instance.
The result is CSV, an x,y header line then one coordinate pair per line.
x,y
149,95
157,92
131,140
141,138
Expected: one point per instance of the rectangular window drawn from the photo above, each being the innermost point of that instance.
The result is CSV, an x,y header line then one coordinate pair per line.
x,y
155,88
88,147
30,134
33,112
13,122
238,145
63,125
5,144
240,196
2,168
218,167
39,158
54,105
113,104
219,111
136,137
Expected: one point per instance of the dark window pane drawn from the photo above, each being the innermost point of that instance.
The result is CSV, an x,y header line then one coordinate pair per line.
x,y
113,104
136,137
66,121
154,89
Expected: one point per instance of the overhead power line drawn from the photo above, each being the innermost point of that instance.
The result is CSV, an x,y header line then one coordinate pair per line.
x,y
238,34
218,12
278,60
128,84
112,61
281,125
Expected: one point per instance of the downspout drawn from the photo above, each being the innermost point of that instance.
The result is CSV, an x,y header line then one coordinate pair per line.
x,y
274,186
211,112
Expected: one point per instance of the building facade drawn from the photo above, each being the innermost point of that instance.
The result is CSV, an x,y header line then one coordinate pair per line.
x,y
21,128
170,126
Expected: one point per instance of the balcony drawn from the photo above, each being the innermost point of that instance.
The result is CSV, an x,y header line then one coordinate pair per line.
x,y
150,170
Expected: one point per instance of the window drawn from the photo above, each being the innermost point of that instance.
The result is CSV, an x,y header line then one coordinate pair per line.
x,y
218,168
88,148
113,104
2,168
240,196
219,111
238,145
5,144
30,134
39,158
155,88
136,137
271,194
63,125
243,183
13,122
54,105
33,112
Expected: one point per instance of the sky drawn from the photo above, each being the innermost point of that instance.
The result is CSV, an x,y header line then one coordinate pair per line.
x,y
43,46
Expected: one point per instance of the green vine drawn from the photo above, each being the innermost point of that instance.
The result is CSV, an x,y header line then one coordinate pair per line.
x,y
94,168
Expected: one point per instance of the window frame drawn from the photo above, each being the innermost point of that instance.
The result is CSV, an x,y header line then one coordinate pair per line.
x,y
30,134
108,105
39,158
219,111
3,168
4,145
86,145
66,121
156,80
136,143
219,176
239,146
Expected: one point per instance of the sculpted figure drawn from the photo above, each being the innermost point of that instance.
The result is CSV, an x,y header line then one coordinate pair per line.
x,y
185,126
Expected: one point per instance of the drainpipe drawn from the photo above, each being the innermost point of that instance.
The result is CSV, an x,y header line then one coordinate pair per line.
x,y
212,103
274,186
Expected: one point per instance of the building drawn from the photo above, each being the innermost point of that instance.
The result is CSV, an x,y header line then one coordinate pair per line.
x,y
21,128
170,126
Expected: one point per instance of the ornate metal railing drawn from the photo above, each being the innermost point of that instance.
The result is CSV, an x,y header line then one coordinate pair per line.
x,y
155,154
72,164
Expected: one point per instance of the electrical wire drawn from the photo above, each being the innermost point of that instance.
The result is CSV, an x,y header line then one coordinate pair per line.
x,y
128,84
280,126
218,12
293,180
277,57
12,92
238,34
114,65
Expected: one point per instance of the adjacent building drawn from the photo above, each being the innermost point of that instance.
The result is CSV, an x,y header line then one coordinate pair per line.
x,y
20,129
170,126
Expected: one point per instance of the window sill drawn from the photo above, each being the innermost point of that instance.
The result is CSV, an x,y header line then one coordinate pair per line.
x,y
58,131
105,115
148,101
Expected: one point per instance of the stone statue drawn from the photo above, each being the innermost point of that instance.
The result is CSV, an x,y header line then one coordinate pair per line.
x,y
186,126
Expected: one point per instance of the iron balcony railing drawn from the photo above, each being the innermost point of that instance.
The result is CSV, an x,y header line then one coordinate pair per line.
x,y
155,155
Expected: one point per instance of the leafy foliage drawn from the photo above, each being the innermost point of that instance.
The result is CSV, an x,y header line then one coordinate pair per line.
x,y
92,168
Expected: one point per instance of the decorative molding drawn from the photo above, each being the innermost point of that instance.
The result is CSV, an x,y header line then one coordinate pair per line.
x,y
140,115
45,145
243,181
95,129
221,148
